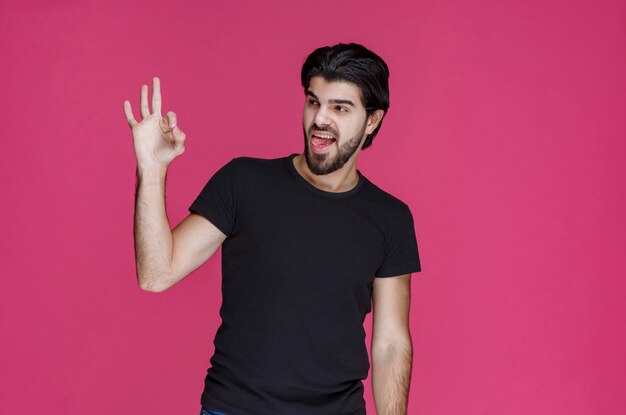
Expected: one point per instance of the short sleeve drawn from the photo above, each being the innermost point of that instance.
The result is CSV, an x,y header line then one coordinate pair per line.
x,y
216,201
401,252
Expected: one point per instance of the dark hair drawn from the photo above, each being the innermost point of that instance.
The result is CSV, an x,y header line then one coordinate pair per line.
x,y
352,63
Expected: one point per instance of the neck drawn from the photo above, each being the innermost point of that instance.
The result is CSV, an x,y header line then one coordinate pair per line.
x,y
342,180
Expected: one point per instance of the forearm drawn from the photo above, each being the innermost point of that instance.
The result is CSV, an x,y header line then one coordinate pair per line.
x,y
153,235
391,377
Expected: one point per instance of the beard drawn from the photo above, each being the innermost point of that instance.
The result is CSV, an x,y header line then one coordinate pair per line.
x,y
321,164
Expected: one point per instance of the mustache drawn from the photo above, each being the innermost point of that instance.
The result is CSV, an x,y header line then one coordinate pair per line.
x,y
324,129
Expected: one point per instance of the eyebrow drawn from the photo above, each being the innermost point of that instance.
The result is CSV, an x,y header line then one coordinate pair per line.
x,y
332,101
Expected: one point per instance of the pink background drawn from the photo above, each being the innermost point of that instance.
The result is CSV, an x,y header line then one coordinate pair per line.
x,y
506,136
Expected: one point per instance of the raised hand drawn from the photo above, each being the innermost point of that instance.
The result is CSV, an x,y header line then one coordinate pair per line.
x,y
157,140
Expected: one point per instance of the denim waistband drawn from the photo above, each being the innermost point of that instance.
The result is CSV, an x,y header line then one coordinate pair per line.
x,y
207,411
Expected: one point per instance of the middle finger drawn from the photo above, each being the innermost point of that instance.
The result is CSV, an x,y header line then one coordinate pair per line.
x,y
156,96
144,102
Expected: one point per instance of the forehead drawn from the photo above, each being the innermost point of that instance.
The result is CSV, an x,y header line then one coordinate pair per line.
x,y
333,90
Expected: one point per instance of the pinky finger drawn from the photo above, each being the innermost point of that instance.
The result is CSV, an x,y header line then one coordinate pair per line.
x,y
129,114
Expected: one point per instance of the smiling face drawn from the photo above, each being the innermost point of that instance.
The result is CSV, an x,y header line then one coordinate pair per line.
x,y
335,124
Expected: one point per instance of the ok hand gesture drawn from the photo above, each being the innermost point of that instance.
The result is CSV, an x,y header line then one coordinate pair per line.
x,y
157,140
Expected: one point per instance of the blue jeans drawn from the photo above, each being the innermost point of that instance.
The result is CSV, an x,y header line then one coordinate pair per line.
x,y
207,411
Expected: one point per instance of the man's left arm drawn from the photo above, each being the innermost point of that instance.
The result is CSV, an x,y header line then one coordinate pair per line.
x,y
392,350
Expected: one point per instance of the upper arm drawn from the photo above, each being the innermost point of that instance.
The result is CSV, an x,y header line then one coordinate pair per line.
x,y
391,297
194,240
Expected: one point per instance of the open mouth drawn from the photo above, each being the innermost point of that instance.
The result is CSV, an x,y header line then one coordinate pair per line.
x,y
321,142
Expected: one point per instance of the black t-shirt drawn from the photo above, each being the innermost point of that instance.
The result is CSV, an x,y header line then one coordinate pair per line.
x,y
298,266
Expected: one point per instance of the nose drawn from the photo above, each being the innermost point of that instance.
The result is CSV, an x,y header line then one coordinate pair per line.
x,y
321,117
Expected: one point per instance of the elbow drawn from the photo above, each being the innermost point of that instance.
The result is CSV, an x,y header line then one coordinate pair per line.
x,y
153,285
153,288
397,343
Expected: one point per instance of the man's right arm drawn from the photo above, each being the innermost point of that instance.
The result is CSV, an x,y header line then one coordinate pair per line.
x,y
164,256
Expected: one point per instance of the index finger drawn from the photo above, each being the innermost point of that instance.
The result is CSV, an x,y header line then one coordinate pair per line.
x,y
156,96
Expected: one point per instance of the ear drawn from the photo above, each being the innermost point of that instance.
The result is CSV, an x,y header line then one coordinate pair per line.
x,y
373,120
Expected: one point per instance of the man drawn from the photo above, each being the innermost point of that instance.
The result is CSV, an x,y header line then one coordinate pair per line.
x,y
308,246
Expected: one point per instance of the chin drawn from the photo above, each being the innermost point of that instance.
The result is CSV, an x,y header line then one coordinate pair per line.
x,y
320,164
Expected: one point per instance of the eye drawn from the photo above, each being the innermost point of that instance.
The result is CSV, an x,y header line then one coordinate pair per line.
x,y
312,101
341,109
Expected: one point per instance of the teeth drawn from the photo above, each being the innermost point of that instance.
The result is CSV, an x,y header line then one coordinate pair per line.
x,y
323,136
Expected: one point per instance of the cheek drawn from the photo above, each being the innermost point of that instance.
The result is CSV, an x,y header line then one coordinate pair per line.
x,y
351,129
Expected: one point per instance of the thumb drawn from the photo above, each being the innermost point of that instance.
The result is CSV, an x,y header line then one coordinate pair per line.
x,y
165,129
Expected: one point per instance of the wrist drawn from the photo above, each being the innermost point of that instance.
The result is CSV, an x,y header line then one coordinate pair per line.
x,y
151,166
151,172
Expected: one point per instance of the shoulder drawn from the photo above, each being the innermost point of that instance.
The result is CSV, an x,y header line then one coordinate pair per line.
x,y
245,163
384,200
247,172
